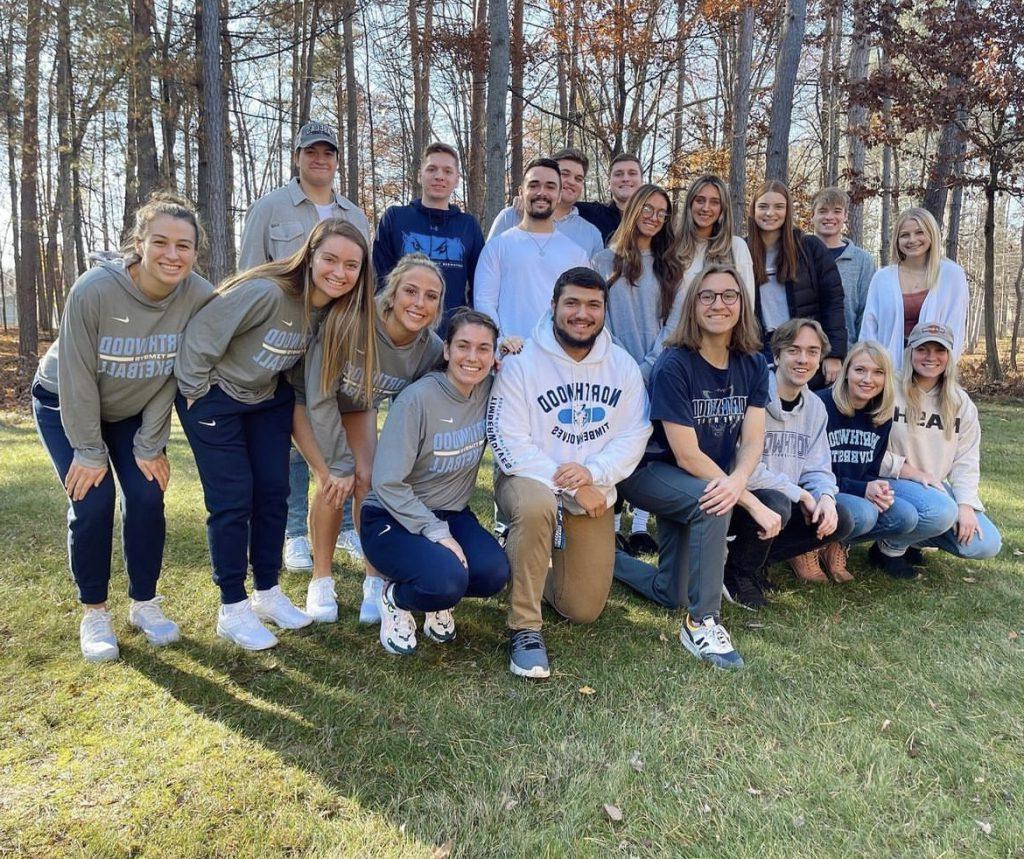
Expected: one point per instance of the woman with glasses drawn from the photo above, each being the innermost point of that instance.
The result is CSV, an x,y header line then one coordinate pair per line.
x,y
795,276
709,390
643,274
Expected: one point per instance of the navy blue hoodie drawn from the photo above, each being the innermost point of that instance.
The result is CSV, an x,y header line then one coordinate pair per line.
x,y
857,446
450,237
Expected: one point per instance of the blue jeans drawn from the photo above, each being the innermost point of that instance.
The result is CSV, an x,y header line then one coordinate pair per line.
x,y
987,545
427,575
91,520
241,451
298,498
691,544
936,514
871,524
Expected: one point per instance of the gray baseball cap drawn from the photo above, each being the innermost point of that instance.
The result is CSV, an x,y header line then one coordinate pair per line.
x,y
316,132
931,332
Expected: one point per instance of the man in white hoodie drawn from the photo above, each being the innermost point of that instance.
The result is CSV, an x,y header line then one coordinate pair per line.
x,y
568,419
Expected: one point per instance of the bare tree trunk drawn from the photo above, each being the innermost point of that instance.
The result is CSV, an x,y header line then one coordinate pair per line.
x,y
518,58
477,119
307,67
955,209
857,122
213,141
1018,288
937,189
339,100
11,109
28,336
741,117
678,120
886,223
352,119
65,197
170,105
497,92
140,72
777,158
369,121
992,367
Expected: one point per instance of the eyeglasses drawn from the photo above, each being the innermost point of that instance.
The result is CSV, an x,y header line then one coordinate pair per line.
x,y
650,212
729,297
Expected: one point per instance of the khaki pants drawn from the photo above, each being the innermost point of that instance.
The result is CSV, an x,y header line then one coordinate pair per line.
x,y
574,580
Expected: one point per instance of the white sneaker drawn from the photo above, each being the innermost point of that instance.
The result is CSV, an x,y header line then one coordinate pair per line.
x,y
273,605
150,618
710,642
297,556
237,622
369,610
96,635
439,626
348,541
397,626
321,600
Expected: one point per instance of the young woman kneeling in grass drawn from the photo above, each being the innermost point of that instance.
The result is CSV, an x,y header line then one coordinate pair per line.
x,y
934,451
416,526
236,409
859,408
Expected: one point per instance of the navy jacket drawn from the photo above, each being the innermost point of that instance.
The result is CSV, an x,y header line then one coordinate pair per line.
x,y
450,237
605,216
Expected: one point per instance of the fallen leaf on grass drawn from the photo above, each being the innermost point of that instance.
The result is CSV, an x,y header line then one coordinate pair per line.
x,y
886,724
705,808
613,813
662,637
443,851
754,624
970,580
984,826
511,803
798,821
753,791
1012,635
587,690
913,750
636,762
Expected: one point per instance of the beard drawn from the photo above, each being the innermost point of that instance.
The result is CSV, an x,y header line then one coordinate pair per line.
x,y
539,216
570,340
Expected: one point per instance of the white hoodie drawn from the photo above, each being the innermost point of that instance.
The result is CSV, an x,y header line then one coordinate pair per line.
x,y
547,409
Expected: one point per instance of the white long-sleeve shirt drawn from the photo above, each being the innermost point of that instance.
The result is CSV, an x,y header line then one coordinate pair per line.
x,y
516,274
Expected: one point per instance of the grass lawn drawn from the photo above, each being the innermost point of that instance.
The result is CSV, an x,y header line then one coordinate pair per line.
x,y
881,718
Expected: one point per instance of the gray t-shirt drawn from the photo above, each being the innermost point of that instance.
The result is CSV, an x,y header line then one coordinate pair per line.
x,y
429,453
774,306
115,358
242,340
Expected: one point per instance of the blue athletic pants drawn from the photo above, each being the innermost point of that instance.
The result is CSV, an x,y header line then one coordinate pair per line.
x,y
91,520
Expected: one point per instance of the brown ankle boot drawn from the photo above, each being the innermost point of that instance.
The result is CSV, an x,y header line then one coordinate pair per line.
x,y
835,555
807,568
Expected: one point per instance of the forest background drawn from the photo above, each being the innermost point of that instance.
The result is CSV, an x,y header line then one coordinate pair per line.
x,y
898,101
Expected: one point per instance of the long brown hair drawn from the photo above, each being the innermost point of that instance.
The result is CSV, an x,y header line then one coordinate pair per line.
x,y
746,335
628,263
786,267
348,331
719,247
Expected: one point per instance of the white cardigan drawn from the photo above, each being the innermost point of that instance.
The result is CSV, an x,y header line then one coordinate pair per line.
x,y
946,303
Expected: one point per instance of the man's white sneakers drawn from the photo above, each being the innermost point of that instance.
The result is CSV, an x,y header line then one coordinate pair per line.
x,y
321,600
297,556
96,635
238,623
273,605
147,616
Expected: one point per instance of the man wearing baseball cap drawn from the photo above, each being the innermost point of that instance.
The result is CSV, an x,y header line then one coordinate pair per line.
x,y
276,226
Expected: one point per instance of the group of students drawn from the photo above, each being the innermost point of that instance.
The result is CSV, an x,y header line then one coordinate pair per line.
x,y
700,377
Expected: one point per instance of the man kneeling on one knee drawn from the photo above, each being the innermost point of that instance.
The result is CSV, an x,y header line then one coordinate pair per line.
x,y
794,476
567,421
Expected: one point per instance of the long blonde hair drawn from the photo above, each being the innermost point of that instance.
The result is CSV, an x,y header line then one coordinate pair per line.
x,y
348,331
386,297
719,247
746,335
880,406
949,392
931,228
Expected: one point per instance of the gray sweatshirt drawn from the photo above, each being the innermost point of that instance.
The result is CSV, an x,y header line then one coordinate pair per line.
x,y
397,366
241,341
429,452
115,357
796,451
633,311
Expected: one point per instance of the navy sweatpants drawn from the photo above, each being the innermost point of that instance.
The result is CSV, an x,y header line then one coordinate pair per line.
x,y
91,520
427,575
241,452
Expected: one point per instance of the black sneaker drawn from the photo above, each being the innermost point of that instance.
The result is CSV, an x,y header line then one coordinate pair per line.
x,y
622,544
915,557
743,591
642,543
897,568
